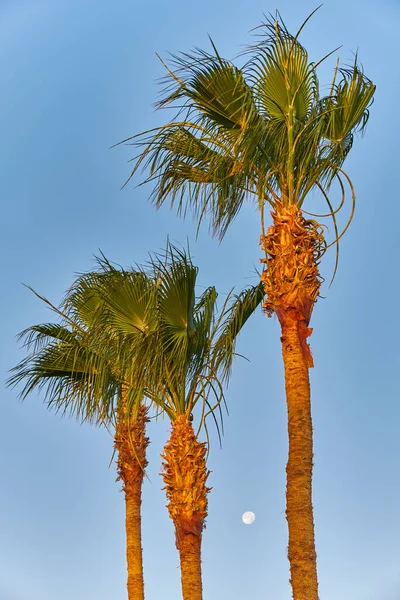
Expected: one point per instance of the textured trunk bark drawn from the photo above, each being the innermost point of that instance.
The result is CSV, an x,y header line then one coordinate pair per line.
x,y
185,474
299,510
131,444
293,247
135,583
190,561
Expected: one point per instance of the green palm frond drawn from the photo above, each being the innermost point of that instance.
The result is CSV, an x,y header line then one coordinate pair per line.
x,y
76,379
347,106
176,301
281,74
38,335
142,332
212,86
199,169
128,303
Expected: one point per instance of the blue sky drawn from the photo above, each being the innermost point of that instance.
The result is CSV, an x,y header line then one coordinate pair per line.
x,y
78,76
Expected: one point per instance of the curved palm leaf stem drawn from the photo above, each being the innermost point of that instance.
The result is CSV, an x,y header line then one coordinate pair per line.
x,y
334,212
206,428
156,398
220,396
208,439
212,409
269,188
336,230
205,382
266,184
211,412
353,208
311,122
202,393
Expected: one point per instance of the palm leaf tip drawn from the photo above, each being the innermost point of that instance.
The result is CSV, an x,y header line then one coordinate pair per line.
x,y
236,315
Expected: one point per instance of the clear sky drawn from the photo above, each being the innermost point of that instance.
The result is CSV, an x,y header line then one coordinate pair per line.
x,y
76,77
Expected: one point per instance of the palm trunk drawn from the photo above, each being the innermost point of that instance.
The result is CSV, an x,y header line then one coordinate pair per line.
x,y
131,443
299,510
185,474
293,248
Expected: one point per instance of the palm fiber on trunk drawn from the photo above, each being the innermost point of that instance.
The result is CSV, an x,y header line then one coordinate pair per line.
x,y
185,475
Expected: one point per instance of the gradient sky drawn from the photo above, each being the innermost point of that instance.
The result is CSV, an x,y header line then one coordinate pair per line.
x,y
78,76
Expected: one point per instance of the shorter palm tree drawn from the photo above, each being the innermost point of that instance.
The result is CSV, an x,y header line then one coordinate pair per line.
x,y
83,376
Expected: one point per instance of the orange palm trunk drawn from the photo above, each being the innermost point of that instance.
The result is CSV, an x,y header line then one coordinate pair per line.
x,y
299,510
131,443
185,474
293,247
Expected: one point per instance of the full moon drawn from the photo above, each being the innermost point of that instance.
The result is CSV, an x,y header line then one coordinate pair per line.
x,y
248,518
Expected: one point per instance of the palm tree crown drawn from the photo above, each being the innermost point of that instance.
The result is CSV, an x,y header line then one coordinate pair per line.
x,y
174,346
261,131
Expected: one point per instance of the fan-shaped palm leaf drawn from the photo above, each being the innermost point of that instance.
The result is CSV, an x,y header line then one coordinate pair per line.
x,y
82,375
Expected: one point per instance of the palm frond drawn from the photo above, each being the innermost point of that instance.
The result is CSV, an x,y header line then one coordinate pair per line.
x,y
212,86
234,318
76,380
280,72
347,106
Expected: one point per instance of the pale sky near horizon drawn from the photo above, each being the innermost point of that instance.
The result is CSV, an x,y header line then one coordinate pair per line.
x,y
77,77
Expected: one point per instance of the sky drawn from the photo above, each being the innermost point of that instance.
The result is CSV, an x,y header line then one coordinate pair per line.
x,y
77,77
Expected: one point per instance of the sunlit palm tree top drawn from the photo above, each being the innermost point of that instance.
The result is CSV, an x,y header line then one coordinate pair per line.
x,y
262,130
146,332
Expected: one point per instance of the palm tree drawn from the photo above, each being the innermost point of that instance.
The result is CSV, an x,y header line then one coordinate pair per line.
x,y
126,335
264,132
185,357
82,375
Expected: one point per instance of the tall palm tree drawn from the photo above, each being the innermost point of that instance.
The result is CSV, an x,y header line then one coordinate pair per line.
x,y
82,374
126,335
264,132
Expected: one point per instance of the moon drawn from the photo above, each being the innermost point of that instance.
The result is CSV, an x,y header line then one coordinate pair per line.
x,y
248,518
